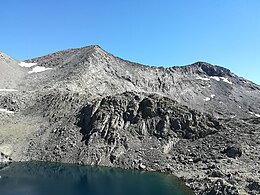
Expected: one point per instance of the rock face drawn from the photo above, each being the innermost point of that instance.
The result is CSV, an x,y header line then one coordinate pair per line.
x,y
119,125
199,122
151,116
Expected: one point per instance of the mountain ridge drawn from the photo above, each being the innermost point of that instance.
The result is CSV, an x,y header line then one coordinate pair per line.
x,y
98,48
89,107
90,62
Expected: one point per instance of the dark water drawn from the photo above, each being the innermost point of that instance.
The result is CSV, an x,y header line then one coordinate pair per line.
x,y
36,178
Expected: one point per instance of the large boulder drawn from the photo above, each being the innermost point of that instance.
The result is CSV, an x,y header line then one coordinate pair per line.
x,y
233,151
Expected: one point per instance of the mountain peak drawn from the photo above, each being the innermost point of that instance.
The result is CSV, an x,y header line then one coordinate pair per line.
x,y
6,58
97,47
211,70
93,48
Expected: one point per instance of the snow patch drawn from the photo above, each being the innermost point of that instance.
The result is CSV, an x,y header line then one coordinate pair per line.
x,y
212,96
207,99
252,113
6,111
27,65
38,69
8,90
216,78
224,79
201,78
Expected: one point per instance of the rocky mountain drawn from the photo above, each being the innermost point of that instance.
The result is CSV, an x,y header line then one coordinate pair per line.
x,y
199,122
204,87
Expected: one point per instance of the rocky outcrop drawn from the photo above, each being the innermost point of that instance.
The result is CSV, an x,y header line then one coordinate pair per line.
x,y
4,158
150,115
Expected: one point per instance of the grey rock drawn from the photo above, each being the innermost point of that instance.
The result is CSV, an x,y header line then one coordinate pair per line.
x,y
93,108
220,187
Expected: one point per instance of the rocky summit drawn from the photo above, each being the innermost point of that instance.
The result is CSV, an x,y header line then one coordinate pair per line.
x,y
200,122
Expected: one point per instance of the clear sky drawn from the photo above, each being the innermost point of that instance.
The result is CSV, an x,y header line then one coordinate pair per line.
x,y
154,32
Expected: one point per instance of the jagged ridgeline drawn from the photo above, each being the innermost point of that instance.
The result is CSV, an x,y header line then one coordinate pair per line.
x,y
199,122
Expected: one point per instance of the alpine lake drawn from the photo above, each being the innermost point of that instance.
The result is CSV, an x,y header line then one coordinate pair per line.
x,y
41,178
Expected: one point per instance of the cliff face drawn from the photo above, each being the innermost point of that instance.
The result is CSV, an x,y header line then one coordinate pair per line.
x,y
199,122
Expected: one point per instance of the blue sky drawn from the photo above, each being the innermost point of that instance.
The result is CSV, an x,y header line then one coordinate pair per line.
x,y
162,33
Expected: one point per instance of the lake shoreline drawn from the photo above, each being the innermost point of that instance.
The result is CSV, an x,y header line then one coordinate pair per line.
x,y
20,170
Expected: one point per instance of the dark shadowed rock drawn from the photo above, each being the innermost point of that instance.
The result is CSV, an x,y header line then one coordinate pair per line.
x,y
233,151
254,186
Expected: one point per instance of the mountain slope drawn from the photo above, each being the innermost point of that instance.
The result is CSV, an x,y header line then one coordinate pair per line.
x,y
10,72
87,106
201,86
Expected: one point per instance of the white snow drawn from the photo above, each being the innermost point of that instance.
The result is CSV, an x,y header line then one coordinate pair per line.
x,y
6,111
8,90
207,99
27,65
257,115
226,80
38,69
216,78
221,78
201,78
212,96
252,113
